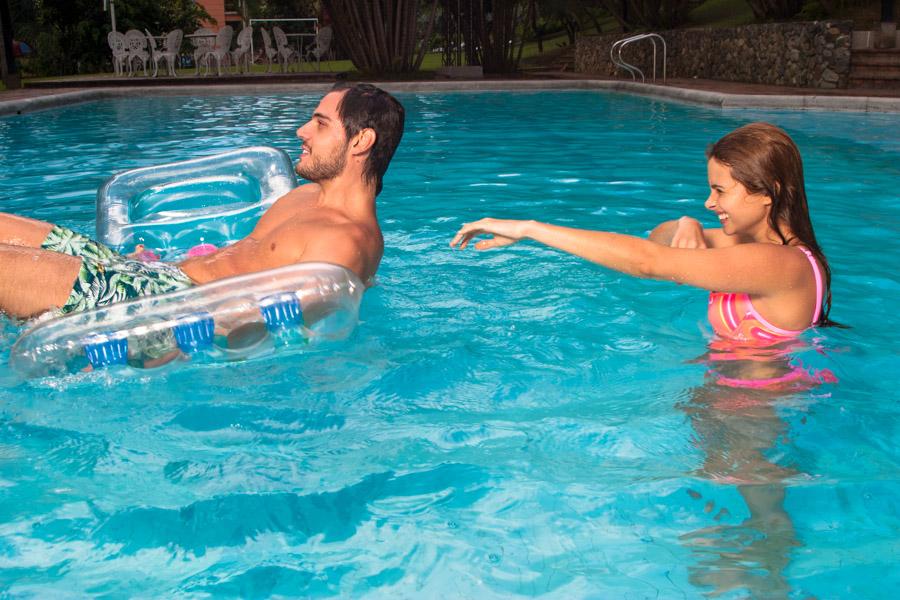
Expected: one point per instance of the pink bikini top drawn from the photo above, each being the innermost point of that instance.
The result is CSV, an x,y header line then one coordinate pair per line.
x,y
733,317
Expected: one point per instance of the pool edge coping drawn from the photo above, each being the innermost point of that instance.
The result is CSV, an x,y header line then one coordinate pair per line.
x,y
707,98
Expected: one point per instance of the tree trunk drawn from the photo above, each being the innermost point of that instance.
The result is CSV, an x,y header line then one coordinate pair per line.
x,y
537,29
382,36
7,62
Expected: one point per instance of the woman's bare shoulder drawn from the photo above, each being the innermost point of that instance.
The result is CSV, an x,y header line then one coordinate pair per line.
x,y
716,238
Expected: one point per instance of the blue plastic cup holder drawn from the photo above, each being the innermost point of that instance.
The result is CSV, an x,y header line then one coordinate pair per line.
x,y
106,349
194,332
281,310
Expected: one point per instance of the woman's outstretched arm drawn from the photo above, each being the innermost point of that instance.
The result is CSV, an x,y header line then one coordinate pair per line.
x,y
763,269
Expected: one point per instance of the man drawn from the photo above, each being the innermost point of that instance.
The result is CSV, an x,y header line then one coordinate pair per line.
x,y
346,148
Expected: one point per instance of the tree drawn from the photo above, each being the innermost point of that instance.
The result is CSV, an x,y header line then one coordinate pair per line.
x,y
502,38
651,14
489,33
767,10
552,15
69,36
283,9
8,70
383,36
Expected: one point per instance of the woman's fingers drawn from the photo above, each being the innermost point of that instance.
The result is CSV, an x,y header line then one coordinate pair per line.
x,y
460,235
486,226
461,238
467,232
689,241
498,241
688,234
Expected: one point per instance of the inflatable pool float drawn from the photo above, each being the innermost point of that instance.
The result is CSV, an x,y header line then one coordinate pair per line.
x,y
235,318
204,203
211,200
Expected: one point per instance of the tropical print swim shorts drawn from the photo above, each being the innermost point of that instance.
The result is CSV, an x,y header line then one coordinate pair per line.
x,y
107,276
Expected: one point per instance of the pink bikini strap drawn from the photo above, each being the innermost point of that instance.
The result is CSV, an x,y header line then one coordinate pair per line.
x,y
820,288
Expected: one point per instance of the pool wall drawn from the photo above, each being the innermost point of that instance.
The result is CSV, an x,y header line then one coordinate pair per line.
x,y
702,97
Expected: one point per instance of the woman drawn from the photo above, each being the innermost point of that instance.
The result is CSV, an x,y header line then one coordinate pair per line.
x,y
768,277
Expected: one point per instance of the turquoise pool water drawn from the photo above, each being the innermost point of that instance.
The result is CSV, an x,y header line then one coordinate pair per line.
x,y
517,423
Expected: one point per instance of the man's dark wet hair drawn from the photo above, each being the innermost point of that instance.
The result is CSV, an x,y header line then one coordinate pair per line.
x,y
366,106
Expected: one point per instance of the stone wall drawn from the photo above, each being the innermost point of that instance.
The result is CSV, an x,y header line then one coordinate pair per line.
x,y
811,54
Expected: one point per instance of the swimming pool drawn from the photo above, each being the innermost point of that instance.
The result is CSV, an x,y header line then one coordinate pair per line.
x,y
512,423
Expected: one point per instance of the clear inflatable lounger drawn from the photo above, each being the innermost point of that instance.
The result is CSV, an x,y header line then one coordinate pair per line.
x,y
231,319
213,199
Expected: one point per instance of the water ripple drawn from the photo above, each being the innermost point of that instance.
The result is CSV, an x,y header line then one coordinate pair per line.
x,y
510,423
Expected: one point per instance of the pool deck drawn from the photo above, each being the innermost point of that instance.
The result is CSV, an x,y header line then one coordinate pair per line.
x,y
721,94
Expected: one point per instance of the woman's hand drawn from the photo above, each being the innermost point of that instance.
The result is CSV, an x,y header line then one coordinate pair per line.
x,y
505,232
688,234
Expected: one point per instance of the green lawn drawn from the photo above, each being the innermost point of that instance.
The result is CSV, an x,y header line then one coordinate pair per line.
x,y
721,13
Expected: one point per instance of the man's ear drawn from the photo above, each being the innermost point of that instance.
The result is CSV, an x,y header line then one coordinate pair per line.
x,y
364,140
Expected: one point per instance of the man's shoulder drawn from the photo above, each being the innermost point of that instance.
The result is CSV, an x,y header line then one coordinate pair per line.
x,y
325,225
285,208
346,243
307,188
301,191
321,223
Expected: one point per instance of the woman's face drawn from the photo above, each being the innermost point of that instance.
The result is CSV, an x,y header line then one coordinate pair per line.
x,y
740,212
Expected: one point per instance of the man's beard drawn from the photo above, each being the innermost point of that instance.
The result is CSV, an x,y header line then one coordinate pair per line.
x,y
325,168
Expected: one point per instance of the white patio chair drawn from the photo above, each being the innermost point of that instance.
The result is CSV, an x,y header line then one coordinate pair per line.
x,y
169,51
116,41
286,52
241,54
203,41
151,45
269,50
136,43
321,46
221,49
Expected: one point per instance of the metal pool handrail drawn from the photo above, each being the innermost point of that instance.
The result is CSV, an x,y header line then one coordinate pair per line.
x,y
615,54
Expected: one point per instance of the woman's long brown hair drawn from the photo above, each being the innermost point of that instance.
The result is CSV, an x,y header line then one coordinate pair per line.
x,y
766,161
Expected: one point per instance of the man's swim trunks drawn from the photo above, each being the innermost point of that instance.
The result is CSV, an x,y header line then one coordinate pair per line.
x,y
106,276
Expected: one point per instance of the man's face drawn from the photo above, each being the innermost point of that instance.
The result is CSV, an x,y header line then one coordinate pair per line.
x,y
324,149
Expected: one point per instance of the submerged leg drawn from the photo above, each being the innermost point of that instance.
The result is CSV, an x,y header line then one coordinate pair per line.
x,y
33,281
22,231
